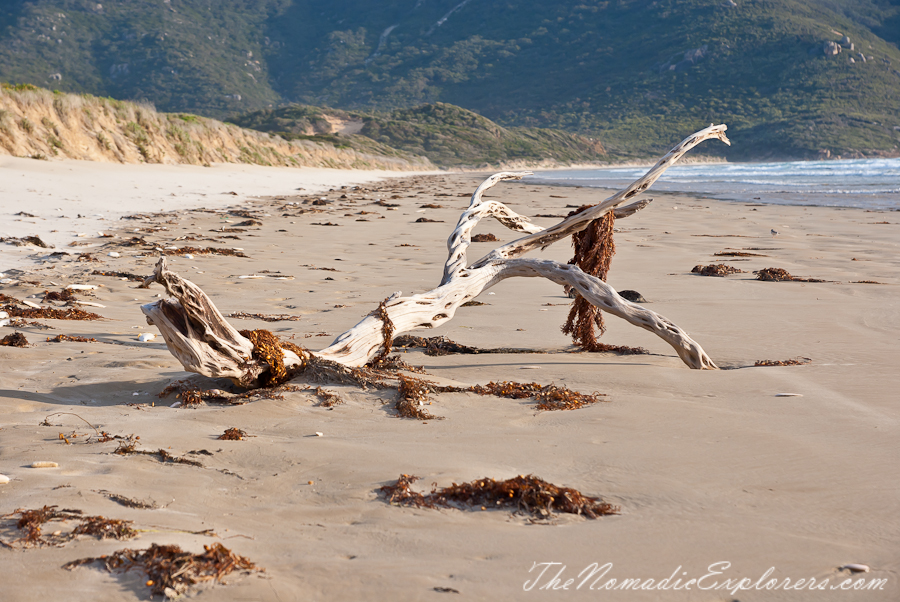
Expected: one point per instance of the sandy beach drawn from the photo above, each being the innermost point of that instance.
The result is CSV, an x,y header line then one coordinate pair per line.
x,y
707,467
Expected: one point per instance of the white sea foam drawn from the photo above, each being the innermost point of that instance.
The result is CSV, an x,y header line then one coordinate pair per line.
x,y
869,183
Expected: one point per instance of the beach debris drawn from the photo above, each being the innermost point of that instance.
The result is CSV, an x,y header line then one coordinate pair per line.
x,y
789,395
129,447
265,317
32,521
320,434
773,274
16,339
548,397
441,345
44,464
528,494
113,254
774,232
738,254
125,275
170,571
633,296
64,337
232,434
31,304
855,568
779,275
26,240
4,318
329,398
52,314
128,502
485,238
146,337
65,295
594,249
425,220
82,287
413,395
715,269
791,362
4,479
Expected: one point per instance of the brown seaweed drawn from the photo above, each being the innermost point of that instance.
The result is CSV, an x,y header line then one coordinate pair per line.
x,y
548,397
265,317
16,339
204,251
65,295
171,571
790,362
113,274
232,434
715,269
528,494
31,523
413,395
485,238
64,337
329,398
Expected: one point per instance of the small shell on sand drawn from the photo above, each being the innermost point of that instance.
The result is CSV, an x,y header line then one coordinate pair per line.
x,y
529,367
4,479
82,287
789,395
856,568
319,434
31,304
146,337
89,303
113,254
44,465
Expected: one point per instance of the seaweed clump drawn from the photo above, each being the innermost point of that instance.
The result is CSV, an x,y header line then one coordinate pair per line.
x,y
16,339
437,346
170,570
779,275
413,395
528,494
773,275
792,362
204,251
548,397
64,337
31,523
594,250
232,434
715,269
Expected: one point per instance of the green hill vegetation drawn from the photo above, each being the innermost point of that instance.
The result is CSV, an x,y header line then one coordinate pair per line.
x,y
634,74
446,134
41,124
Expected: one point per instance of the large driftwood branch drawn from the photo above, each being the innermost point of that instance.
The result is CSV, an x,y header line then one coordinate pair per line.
x,y
200,338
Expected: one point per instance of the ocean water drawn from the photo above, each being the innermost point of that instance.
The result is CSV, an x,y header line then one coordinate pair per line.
x,y
862,183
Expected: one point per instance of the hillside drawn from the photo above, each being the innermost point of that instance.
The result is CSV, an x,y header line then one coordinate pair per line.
x,y
636,74
446,134
42,124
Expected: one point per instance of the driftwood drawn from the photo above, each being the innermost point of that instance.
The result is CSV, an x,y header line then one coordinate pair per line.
x,y
205,343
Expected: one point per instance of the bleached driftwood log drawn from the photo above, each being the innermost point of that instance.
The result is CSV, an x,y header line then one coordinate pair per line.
x,y
205,343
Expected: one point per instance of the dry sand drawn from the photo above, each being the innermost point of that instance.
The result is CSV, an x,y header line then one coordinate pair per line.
x,y
707,466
